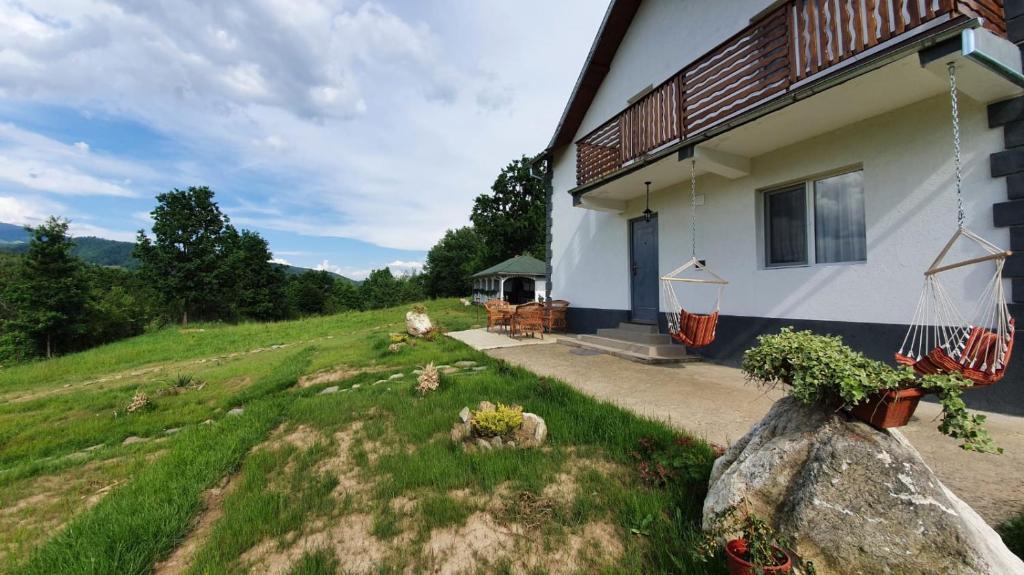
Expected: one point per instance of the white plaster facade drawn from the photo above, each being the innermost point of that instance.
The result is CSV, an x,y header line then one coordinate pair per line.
x,y
910,208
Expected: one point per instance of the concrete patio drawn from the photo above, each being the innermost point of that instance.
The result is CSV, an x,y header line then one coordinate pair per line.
x,y
715,402
482,339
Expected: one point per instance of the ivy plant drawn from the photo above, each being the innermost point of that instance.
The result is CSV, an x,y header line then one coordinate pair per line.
x,y
821,369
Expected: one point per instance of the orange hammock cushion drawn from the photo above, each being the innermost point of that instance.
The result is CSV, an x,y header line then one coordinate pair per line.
x,y
980,349
696,330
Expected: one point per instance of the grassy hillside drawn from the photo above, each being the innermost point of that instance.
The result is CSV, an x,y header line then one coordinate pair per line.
x,y
245,459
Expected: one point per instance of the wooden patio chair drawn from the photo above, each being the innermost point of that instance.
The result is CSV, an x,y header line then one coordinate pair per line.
x,y
498,313
554,315
528,319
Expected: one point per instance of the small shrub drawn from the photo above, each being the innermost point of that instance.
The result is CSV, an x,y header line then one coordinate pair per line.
x,y
398,338
759,544
502,421
396,347
429,379
681,460
140,402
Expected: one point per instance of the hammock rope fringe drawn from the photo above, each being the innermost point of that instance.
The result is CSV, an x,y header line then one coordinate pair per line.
x,y
940,339
693,330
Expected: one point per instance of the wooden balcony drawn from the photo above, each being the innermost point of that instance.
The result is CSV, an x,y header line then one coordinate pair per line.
x,y
789,46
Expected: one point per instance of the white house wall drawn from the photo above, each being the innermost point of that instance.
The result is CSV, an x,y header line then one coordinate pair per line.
x,y
910,213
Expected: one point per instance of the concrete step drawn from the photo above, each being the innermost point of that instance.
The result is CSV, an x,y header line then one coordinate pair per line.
x,y
635,336
639,327
617,349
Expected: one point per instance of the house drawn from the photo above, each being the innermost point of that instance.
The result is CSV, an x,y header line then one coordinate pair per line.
x,y
516,280
819,133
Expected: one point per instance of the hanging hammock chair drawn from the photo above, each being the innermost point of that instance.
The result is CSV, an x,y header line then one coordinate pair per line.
x,y
939,339
694,330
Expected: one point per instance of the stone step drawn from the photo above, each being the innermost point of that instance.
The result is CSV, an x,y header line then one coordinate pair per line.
x,y
616,349
639,327
660,350
635,336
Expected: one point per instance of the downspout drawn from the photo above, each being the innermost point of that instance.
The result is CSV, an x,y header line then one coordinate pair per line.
x,y
541,168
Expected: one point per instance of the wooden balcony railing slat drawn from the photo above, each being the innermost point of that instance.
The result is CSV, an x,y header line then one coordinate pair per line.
x,y
792,43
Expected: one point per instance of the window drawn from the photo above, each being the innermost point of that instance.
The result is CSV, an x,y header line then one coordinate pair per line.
x,y
833,206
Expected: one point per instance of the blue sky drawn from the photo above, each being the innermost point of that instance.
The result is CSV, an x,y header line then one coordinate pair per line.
x,y
349,134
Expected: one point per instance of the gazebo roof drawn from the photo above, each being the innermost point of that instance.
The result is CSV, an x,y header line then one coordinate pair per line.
x,y
519,265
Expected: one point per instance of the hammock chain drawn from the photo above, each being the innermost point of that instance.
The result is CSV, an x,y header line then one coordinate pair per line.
x,y
693,207
956,145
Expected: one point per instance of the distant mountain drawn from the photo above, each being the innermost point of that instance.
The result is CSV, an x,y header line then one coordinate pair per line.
x,y
14,239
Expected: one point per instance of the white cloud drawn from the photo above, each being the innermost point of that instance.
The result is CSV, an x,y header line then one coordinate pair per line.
x,y
281,261
79,229
384,120
81,146
349,272
25,212
399,267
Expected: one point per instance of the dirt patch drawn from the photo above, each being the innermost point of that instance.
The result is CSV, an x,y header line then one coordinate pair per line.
x,y
349,537
340,373
213,509
302,437
341,464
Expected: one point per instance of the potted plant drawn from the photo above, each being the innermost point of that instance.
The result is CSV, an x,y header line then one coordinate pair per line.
x,y
822,370
752,546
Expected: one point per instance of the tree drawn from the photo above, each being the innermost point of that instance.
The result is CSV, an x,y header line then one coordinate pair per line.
x,y
381,289
451,263
49,294
346,297
256,285
182,259
309,292
511,219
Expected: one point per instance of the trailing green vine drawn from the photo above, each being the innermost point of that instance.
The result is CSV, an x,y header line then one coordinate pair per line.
x,y
822,369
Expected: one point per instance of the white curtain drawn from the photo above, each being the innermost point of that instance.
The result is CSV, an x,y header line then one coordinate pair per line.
x,y
839,229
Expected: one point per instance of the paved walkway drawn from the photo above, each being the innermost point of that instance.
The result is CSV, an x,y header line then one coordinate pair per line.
x,y
481,339
715,402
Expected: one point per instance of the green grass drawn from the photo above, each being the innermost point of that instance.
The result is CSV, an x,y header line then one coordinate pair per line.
x,y
379,453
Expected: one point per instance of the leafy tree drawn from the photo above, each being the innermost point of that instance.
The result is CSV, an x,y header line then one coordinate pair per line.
x,y
120,304
511,219
451,263
183,258
309,293
346,297
381,289
256,285
49,294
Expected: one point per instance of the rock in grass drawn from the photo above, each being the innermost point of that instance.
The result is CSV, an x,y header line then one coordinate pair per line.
x,y
449,370
855,499
380,381
480,368
356,385
417,323
396,376
464,364
331,389
172,431
485,406
461,432
236,411
533,432
132,439
496,442
464,415
483,444
208,422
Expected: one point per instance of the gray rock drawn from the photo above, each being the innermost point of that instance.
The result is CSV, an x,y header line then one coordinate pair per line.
x,y
172,431
484,444
356,385
380,381
496,442
533,431
208,422
449,370
236,411
485,406
94,447
480,368
856,500
460,432
443,366
132,439
331,389
396,376
465,363
464,415
417,324
417,371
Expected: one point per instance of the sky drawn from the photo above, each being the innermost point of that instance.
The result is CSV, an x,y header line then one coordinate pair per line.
x,y
349,134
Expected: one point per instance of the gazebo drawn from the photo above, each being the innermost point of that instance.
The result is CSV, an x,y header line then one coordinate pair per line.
x,y
517,280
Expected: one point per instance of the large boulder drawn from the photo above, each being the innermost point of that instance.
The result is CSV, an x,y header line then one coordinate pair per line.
x,y
417,323
855,500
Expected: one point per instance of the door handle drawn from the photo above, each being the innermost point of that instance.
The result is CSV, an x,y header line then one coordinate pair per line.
x,y
635,268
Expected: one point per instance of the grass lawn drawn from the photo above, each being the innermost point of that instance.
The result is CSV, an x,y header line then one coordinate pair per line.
x,y
251,468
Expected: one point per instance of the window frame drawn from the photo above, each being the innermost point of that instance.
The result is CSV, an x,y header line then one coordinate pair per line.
x,y
810,219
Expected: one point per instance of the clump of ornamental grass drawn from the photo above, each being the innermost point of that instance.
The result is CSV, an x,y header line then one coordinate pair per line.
x,y
429,379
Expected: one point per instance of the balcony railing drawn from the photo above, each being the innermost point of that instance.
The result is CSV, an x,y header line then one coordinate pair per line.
x,y
798,40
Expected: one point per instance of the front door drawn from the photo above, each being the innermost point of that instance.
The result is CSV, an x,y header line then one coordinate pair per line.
x,y
643,263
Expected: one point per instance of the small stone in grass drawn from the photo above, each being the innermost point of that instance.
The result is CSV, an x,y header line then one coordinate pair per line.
x,y
236,411
417,371
480,368
356,385
331,389
132,439
485,406
172,431
465,363
380,381
449,370
483,444
464,415
396,376
208,422
496,442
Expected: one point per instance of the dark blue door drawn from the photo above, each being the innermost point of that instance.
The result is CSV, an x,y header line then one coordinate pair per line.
x,y
643,263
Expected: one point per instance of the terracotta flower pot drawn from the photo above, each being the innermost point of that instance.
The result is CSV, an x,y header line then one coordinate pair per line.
x,y
735,549
892,408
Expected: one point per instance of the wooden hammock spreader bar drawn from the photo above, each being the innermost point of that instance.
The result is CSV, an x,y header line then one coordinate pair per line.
x,y
694,263
1000,256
